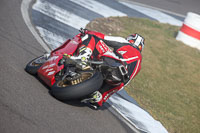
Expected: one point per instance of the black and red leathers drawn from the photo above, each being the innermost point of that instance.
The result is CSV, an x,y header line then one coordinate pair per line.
x,y
116,48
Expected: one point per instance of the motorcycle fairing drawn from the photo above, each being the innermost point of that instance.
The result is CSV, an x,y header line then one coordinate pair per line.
x,y
48,70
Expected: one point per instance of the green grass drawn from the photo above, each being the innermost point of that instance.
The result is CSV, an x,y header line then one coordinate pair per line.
x,y
168,85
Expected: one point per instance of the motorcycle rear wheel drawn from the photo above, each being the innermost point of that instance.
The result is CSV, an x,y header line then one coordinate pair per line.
x,y
33,66
91,81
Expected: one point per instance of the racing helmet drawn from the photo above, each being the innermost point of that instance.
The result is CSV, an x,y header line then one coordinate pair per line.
x,y
136,40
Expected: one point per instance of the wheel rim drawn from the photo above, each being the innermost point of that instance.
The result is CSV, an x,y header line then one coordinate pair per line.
x,y
84,76
38,62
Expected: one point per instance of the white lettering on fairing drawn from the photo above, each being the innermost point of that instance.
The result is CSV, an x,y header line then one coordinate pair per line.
x,y
50,73
48,66
53,58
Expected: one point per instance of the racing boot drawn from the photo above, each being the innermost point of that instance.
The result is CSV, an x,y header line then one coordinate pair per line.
x,y
95,100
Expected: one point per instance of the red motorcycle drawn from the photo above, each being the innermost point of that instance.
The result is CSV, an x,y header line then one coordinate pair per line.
x,y
66,78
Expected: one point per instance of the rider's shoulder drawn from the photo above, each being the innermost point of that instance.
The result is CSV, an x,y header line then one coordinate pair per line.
x,y
97,34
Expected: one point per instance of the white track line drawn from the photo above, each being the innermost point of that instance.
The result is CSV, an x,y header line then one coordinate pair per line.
x,y
158,15
98,8
60,14
136,115
24,10
50,38
151,7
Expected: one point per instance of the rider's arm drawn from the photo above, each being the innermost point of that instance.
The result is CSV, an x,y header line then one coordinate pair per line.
x,y
108,38
98,34
105,37
115,42
115,39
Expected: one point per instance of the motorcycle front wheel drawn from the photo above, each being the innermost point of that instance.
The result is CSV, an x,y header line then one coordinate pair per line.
x,y
33,66
88,82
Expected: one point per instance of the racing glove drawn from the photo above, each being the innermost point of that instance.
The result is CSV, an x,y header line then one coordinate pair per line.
x,y
84,55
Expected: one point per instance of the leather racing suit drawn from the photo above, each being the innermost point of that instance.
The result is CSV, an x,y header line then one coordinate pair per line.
x,y
122,51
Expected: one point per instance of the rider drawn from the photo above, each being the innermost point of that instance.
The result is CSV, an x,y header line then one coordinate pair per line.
x,y
126,52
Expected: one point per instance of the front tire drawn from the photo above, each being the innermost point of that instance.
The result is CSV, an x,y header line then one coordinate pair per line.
x,y
92,82
33,66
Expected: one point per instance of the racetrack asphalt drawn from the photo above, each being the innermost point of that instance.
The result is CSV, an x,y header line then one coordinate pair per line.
x,y
25,104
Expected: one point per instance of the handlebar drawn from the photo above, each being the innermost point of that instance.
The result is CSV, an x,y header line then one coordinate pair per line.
x,y
82,31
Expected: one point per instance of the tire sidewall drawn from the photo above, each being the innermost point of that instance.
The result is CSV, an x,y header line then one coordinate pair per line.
x,y
79,90
32,69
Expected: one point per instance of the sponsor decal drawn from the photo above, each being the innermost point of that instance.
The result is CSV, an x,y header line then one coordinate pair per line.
x,y
49,70
101,48
48,66
51,73
105,47
53,58
51,65
45,67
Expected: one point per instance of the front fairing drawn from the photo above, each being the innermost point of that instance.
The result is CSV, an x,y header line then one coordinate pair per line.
x,y
49,69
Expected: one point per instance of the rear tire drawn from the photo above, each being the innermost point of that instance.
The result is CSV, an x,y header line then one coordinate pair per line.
x,y
77,91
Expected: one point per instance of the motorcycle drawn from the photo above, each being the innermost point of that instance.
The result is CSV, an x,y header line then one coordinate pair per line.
x,y
65,77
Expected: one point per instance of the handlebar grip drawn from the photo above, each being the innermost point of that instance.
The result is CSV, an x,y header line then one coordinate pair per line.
x,y
83,31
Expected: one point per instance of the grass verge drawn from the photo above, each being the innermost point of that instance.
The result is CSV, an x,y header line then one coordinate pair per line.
x,y
168,85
